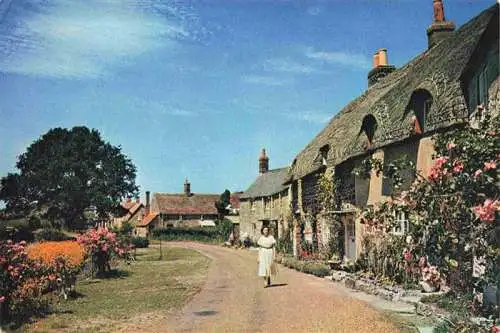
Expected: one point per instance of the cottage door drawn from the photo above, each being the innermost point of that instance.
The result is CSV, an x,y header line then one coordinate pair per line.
x,y
350,238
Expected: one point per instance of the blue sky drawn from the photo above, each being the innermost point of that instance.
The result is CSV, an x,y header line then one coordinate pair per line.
x,y
196,89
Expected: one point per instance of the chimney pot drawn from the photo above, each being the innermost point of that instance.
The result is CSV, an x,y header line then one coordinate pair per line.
x,y
263,162
375,60
382,57
440,29
187,187
381,68
147,203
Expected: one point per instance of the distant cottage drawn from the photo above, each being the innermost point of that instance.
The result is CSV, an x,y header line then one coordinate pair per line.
x,y
266,202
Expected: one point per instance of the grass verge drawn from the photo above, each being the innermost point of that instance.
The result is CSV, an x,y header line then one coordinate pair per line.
x,y
148,289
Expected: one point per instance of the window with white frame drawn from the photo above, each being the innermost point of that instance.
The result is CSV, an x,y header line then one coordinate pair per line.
x,y
401,224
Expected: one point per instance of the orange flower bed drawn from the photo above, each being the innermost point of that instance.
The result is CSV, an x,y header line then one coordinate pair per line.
x,y
47,252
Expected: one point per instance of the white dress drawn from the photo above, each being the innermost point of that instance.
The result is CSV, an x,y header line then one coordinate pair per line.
x,y
266,254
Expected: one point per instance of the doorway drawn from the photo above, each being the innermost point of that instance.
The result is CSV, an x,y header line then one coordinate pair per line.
x,y
350,238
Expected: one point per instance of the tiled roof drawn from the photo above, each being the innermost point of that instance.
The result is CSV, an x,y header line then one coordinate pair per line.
x,y
437,70
182,204
235,200
146,220
266,184
131,206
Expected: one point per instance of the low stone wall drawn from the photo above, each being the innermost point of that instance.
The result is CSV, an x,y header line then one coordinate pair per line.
x,y
398,294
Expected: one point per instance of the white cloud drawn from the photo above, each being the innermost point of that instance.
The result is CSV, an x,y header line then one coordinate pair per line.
x,y
265,80
314,11
87,39
313,117
288,66
343,58
180,112
157,109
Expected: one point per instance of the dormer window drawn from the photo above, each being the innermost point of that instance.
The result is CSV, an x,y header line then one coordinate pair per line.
x,y
323,151
420,105
369,126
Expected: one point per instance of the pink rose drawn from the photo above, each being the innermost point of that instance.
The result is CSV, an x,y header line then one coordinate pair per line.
x,y
486,212
451,145
478,173
2,299
490,165
458,167
407,255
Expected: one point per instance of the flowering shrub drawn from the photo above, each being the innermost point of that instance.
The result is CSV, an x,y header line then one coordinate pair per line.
x,y
49,252
101,245
431,276
24,283
453,212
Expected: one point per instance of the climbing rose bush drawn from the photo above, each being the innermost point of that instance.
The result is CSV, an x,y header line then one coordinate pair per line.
x,y
101,245
453,210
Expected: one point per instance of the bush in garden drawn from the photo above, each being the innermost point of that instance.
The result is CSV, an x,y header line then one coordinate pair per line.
x,y
197,234
101,245
25,284
16,232
224,228
49,252
52,234
140,242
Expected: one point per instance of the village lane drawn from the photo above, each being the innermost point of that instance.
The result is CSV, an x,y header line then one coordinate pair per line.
x,y
234,299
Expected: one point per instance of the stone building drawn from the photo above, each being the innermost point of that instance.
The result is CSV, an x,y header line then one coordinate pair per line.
x,y
455,79
266,202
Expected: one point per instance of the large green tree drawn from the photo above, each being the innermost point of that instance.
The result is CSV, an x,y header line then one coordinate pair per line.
x,y
66,171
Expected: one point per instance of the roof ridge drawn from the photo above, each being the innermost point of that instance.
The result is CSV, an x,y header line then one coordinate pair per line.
x,y
184,194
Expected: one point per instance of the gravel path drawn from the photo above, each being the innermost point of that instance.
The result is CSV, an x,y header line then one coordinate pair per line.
x,y
235,300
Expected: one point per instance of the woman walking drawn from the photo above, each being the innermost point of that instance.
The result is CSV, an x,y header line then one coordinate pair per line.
x,y
266,256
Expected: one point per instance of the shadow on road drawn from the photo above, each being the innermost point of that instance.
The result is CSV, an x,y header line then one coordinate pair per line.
x,y
278,285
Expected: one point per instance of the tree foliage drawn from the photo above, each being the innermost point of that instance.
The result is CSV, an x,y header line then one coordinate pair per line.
x,y
222,203
64,172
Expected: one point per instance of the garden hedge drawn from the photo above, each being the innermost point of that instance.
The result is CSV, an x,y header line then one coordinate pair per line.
x,y
198,234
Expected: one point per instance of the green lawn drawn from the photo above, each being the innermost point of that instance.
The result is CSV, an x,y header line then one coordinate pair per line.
x,y
147,289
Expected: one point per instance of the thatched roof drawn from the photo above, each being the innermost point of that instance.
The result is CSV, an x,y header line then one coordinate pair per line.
x,y
437,70
266,184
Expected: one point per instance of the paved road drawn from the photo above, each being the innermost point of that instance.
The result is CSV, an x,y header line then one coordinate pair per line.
x,y
235,300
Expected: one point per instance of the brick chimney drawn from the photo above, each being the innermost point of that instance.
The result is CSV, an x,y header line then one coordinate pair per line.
x,y
380,67
148,204
440,29
187,188
263,162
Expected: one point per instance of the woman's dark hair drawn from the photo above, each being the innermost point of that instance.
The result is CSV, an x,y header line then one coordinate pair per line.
x,y
262,229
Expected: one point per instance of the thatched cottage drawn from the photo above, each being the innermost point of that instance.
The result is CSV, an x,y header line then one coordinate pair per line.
x,y
400,112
